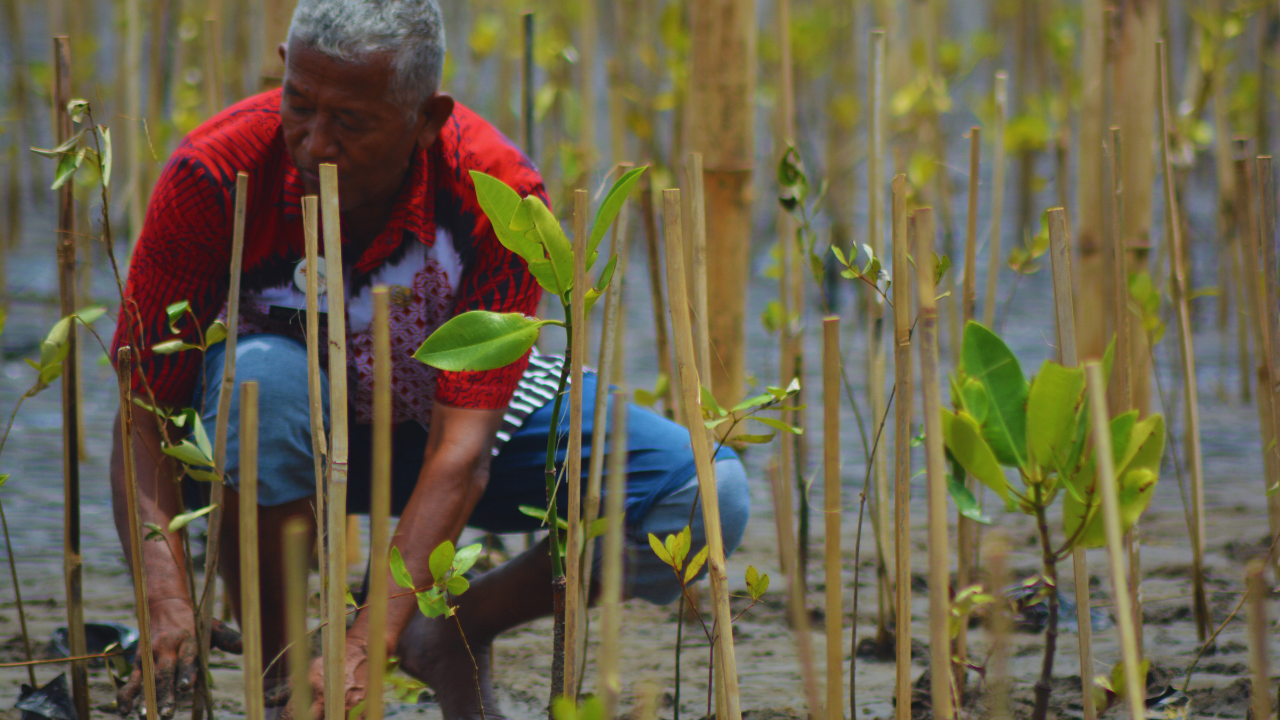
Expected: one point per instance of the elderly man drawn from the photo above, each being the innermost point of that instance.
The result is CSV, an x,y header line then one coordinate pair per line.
x,y
361,90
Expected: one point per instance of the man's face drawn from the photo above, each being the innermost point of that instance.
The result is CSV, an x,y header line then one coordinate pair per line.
x,y
343,113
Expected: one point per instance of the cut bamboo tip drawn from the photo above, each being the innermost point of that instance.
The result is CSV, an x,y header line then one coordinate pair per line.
x,y
297,558
250,603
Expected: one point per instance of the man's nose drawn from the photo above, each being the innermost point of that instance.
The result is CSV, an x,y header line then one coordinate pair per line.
x,y
321,143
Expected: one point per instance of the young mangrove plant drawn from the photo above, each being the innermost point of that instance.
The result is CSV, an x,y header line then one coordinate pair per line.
x,y
1040,429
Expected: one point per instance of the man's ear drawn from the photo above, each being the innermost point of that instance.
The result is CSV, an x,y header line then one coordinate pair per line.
x,y
435,112
280,49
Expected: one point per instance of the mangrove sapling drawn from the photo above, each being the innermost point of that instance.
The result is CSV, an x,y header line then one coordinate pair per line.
x,y
1039,428
483,340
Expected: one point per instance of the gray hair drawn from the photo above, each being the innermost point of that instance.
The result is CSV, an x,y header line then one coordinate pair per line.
x,y
412,31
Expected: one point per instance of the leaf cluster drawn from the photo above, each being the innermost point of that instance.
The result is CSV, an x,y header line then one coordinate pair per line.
x,y
448,567
714,416
71,154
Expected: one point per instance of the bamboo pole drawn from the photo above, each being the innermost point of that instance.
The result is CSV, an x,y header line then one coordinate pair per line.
x,y
997,198
1186,349
1094,308
297,558
574,611
939,560
335,295
1121,365
250,595
996,551
611,583
218,490
124,366
1259,655
901,445
526,89
212,68
1064,312
134,162
1111,523
661,342
319,448
691,405
720,122
17,597
969,288
586,86
1267,259
882,518
698,245
72,561
831,504
379,504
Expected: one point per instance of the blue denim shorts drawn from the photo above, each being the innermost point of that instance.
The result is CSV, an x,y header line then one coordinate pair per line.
x,y
661,489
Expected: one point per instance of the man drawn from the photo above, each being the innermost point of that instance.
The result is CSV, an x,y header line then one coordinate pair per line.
x,y
361,90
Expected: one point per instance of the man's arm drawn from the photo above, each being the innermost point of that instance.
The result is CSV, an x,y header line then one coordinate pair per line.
x,y
455,471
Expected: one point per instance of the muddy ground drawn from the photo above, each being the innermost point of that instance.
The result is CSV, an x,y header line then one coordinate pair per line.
x,y
770,679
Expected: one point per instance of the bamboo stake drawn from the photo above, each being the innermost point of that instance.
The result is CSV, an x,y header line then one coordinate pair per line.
x,y
250,597
124,366
691,405
661,342
1064,312
939,603
379,504
881,518
1259,658
998,623
698,223
17,596
218,490
997,198
1267,259
969,291
72,561
135,162
1095,306
212,68
319,449
1122,365
586,87
611,583
297,557
831,502
901,446
1187,354
1111,523
526,89
573,612
336,649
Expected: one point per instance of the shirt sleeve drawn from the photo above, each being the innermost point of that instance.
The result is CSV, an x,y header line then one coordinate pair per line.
x,y
497,280
183,253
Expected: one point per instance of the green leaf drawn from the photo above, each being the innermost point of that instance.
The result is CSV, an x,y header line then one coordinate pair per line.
x,y
534,215
965,443
76,108
778,425
4,477
68,163
988,360
89,315
563,708
754,439
216,333
169,347
752,402
610,207
457,585
644,398
695,565
757,584
433,603
399,572
1053,402
189,453
606,275
175,312
709,404
499,203
104,161
541,514
154,532
965,502
465,558
660,550
441,559
678,546
58,334
480,340
203,475
597,528
180,521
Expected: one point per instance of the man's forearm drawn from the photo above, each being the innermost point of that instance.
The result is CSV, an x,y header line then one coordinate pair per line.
x,y
159,501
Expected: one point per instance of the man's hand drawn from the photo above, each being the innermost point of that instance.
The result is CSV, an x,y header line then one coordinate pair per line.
x,y
356,679
174,647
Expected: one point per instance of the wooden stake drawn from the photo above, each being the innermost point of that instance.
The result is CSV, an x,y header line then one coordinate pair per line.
x,y
212,68
335,658
297,559
1111,522
526,89
1060,255
1122,365
939,580
1259,656
250,594
691,404
655,289
1267,259
611,583
319,446
72,562
1186,349
379,504
698,223
969,291
135,163
1091,202
832,506
901,445
881,516
124,366
997,199
573,612
996,552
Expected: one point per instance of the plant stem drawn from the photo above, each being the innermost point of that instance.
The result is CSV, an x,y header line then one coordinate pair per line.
x,y
1044,686
17,593
558,582
675,707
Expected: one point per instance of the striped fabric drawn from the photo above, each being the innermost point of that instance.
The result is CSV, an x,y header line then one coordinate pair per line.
x,y
536,388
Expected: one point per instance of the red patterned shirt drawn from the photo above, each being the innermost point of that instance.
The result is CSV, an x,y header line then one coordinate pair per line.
x,y
438,253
